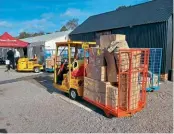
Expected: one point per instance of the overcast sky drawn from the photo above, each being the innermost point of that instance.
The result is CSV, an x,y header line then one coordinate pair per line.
x,y
49,15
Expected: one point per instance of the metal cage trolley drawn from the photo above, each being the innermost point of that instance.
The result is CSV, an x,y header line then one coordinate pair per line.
x,y
131,94
154,72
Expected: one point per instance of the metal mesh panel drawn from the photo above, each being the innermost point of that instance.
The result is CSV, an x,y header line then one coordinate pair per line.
x,y
154,69
133,63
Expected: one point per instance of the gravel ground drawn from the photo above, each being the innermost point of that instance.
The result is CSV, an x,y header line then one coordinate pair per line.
x,y
33,105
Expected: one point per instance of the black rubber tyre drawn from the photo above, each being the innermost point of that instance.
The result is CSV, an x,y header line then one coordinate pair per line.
x,y
36,69
73,94
108,115
152,90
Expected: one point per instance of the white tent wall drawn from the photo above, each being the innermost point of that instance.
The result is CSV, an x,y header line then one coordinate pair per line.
x,y
51,44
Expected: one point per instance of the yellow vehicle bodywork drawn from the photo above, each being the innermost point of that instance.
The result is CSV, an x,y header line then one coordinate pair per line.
x,y
70,82
25,64
66,86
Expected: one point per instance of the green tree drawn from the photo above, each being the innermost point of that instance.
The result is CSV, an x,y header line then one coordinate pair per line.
x,y
37,34
72,24
26,35
63,28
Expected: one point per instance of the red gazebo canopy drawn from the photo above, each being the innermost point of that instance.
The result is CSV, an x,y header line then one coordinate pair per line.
x,y
6,40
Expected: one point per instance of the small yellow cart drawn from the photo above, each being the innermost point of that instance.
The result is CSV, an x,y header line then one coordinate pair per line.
x,y
26,64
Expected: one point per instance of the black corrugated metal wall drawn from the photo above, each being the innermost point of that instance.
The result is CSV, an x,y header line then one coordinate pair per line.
x,y
83,37
143,36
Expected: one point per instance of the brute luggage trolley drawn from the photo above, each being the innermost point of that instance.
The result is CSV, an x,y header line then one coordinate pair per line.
x,y
69,76
131,93
154,72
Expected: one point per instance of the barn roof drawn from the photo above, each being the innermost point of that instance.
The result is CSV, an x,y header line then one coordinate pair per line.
x,y
46,37
149,12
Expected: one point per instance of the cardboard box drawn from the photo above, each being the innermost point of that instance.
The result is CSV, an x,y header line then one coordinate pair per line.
x,y
95,85
111,66
117,45
100,98
59,59
125,62
113,103
136,59
112,97
89,83
96,57
96,72
124,90
92,55
105,40
94,96
112,91
100,60
49,63
101,92
52,58
89,94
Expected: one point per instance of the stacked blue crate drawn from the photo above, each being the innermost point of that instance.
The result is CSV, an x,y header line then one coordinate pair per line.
x,y
154,73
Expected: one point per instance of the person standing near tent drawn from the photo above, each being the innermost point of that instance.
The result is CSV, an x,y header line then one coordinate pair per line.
x,y
10,57
16,56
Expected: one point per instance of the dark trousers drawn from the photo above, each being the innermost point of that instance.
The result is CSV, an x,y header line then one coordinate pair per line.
x,y
11,65
16,60
8,67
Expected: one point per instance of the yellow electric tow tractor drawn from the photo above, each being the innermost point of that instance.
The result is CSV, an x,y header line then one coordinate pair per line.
x,y
69,76
26,64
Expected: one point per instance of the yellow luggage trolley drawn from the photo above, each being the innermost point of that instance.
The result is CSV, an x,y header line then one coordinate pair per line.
x,y
64,79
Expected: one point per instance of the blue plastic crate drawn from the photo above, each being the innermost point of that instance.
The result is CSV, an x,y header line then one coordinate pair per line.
x,y
49,69
155,58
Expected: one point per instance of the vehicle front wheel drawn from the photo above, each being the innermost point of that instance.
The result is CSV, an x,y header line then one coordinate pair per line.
x,y
73,94
36,70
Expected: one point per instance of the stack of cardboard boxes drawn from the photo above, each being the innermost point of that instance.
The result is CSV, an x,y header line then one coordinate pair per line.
x,y
50,61
101,83
96,87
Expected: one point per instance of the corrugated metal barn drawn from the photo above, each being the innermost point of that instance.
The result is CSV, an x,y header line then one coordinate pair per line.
x,y
147,25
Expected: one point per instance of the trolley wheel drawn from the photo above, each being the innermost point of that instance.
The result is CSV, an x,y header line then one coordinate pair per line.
x,y
73,94
36,69
107,114
152,90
